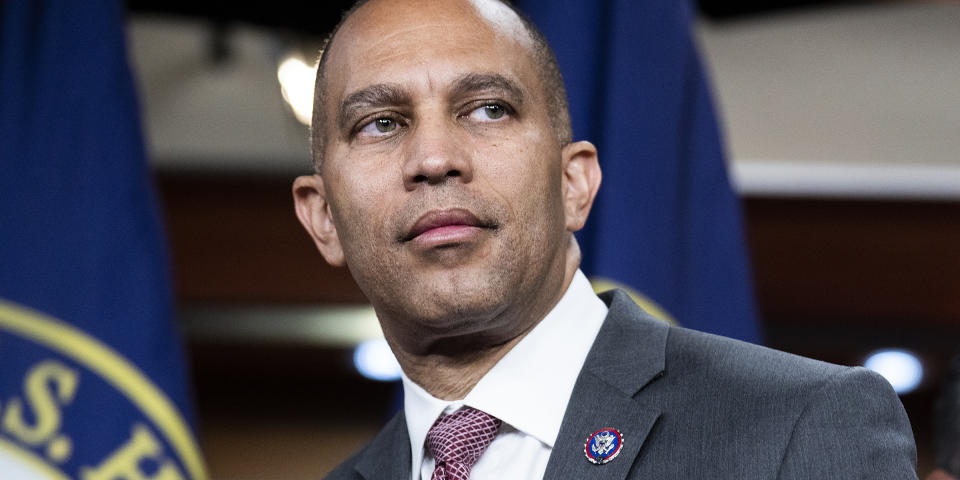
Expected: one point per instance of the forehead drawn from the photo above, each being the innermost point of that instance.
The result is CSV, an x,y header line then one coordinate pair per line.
x,y
427,41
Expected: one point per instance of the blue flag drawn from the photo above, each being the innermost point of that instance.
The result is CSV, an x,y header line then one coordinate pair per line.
x,y
92,383
666,221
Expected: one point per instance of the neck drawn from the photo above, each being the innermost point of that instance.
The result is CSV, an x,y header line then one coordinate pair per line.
x,y
452,377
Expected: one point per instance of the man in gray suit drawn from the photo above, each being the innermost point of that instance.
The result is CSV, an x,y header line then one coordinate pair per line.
x,y
448,183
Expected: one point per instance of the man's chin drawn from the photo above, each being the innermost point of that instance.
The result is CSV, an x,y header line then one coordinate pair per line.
x,y
470,326
450,304
441,307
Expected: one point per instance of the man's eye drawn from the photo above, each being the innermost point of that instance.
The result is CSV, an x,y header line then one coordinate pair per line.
x,y
379,127
486,113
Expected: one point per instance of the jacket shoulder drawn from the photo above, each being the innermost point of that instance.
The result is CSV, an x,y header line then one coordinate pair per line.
x,y
749,411
348,469
697,358
733,360
387,456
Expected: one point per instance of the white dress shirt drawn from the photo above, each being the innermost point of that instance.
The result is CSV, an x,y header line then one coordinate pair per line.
x,y
528,390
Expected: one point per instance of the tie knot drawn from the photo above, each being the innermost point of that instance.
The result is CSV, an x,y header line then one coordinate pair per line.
x,y
457,440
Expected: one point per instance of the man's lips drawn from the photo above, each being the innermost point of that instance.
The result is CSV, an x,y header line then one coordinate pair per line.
x,y
444,224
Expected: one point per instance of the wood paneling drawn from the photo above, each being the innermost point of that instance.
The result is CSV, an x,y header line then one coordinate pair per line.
x,y
237,240
866,262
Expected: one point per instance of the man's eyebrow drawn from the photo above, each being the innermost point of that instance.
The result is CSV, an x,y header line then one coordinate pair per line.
x,y
479,82
378,95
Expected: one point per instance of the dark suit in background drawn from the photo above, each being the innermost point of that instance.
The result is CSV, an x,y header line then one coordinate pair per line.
x,y
947,420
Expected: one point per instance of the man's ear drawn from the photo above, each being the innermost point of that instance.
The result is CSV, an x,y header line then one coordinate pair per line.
x,y
581,180
313,210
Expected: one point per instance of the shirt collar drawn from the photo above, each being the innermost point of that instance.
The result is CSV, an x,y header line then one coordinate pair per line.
x,y
517,390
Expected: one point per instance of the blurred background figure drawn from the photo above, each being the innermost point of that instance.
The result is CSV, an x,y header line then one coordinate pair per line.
x,y
947,426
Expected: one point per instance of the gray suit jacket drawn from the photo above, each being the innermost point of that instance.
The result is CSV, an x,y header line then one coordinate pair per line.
x,y
696,406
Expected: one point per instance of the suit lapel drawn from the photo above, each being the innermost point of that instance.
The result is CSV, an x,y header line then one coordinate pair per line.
x,y
388,455
627,355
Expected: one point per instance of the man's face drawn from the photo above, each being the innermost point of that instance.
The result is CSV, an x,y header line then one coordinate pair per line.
x,y
442,172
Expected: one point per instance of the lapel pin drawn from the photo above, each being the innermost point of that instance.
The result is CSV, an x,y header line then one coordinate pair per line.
x,y
603,445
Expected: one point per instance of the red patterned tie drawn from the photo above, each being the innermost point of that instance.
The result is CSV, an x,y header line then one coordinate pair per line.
x,y
457,441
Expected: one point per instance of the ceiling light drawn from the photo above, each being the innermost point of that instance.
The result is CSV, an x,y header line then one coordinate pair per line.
x,y
296,84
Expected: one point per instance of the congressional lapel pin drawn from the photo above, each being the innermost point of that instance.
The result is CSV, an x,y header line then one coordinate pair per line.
x,y
603,445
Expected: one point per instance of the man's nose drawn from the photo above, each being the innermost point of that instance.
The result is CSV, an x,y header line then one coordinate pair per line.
x,y
437,152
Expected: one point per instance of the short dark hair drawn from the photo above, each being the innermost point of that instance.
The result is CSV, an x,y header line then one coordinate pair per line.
x,y
544,59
